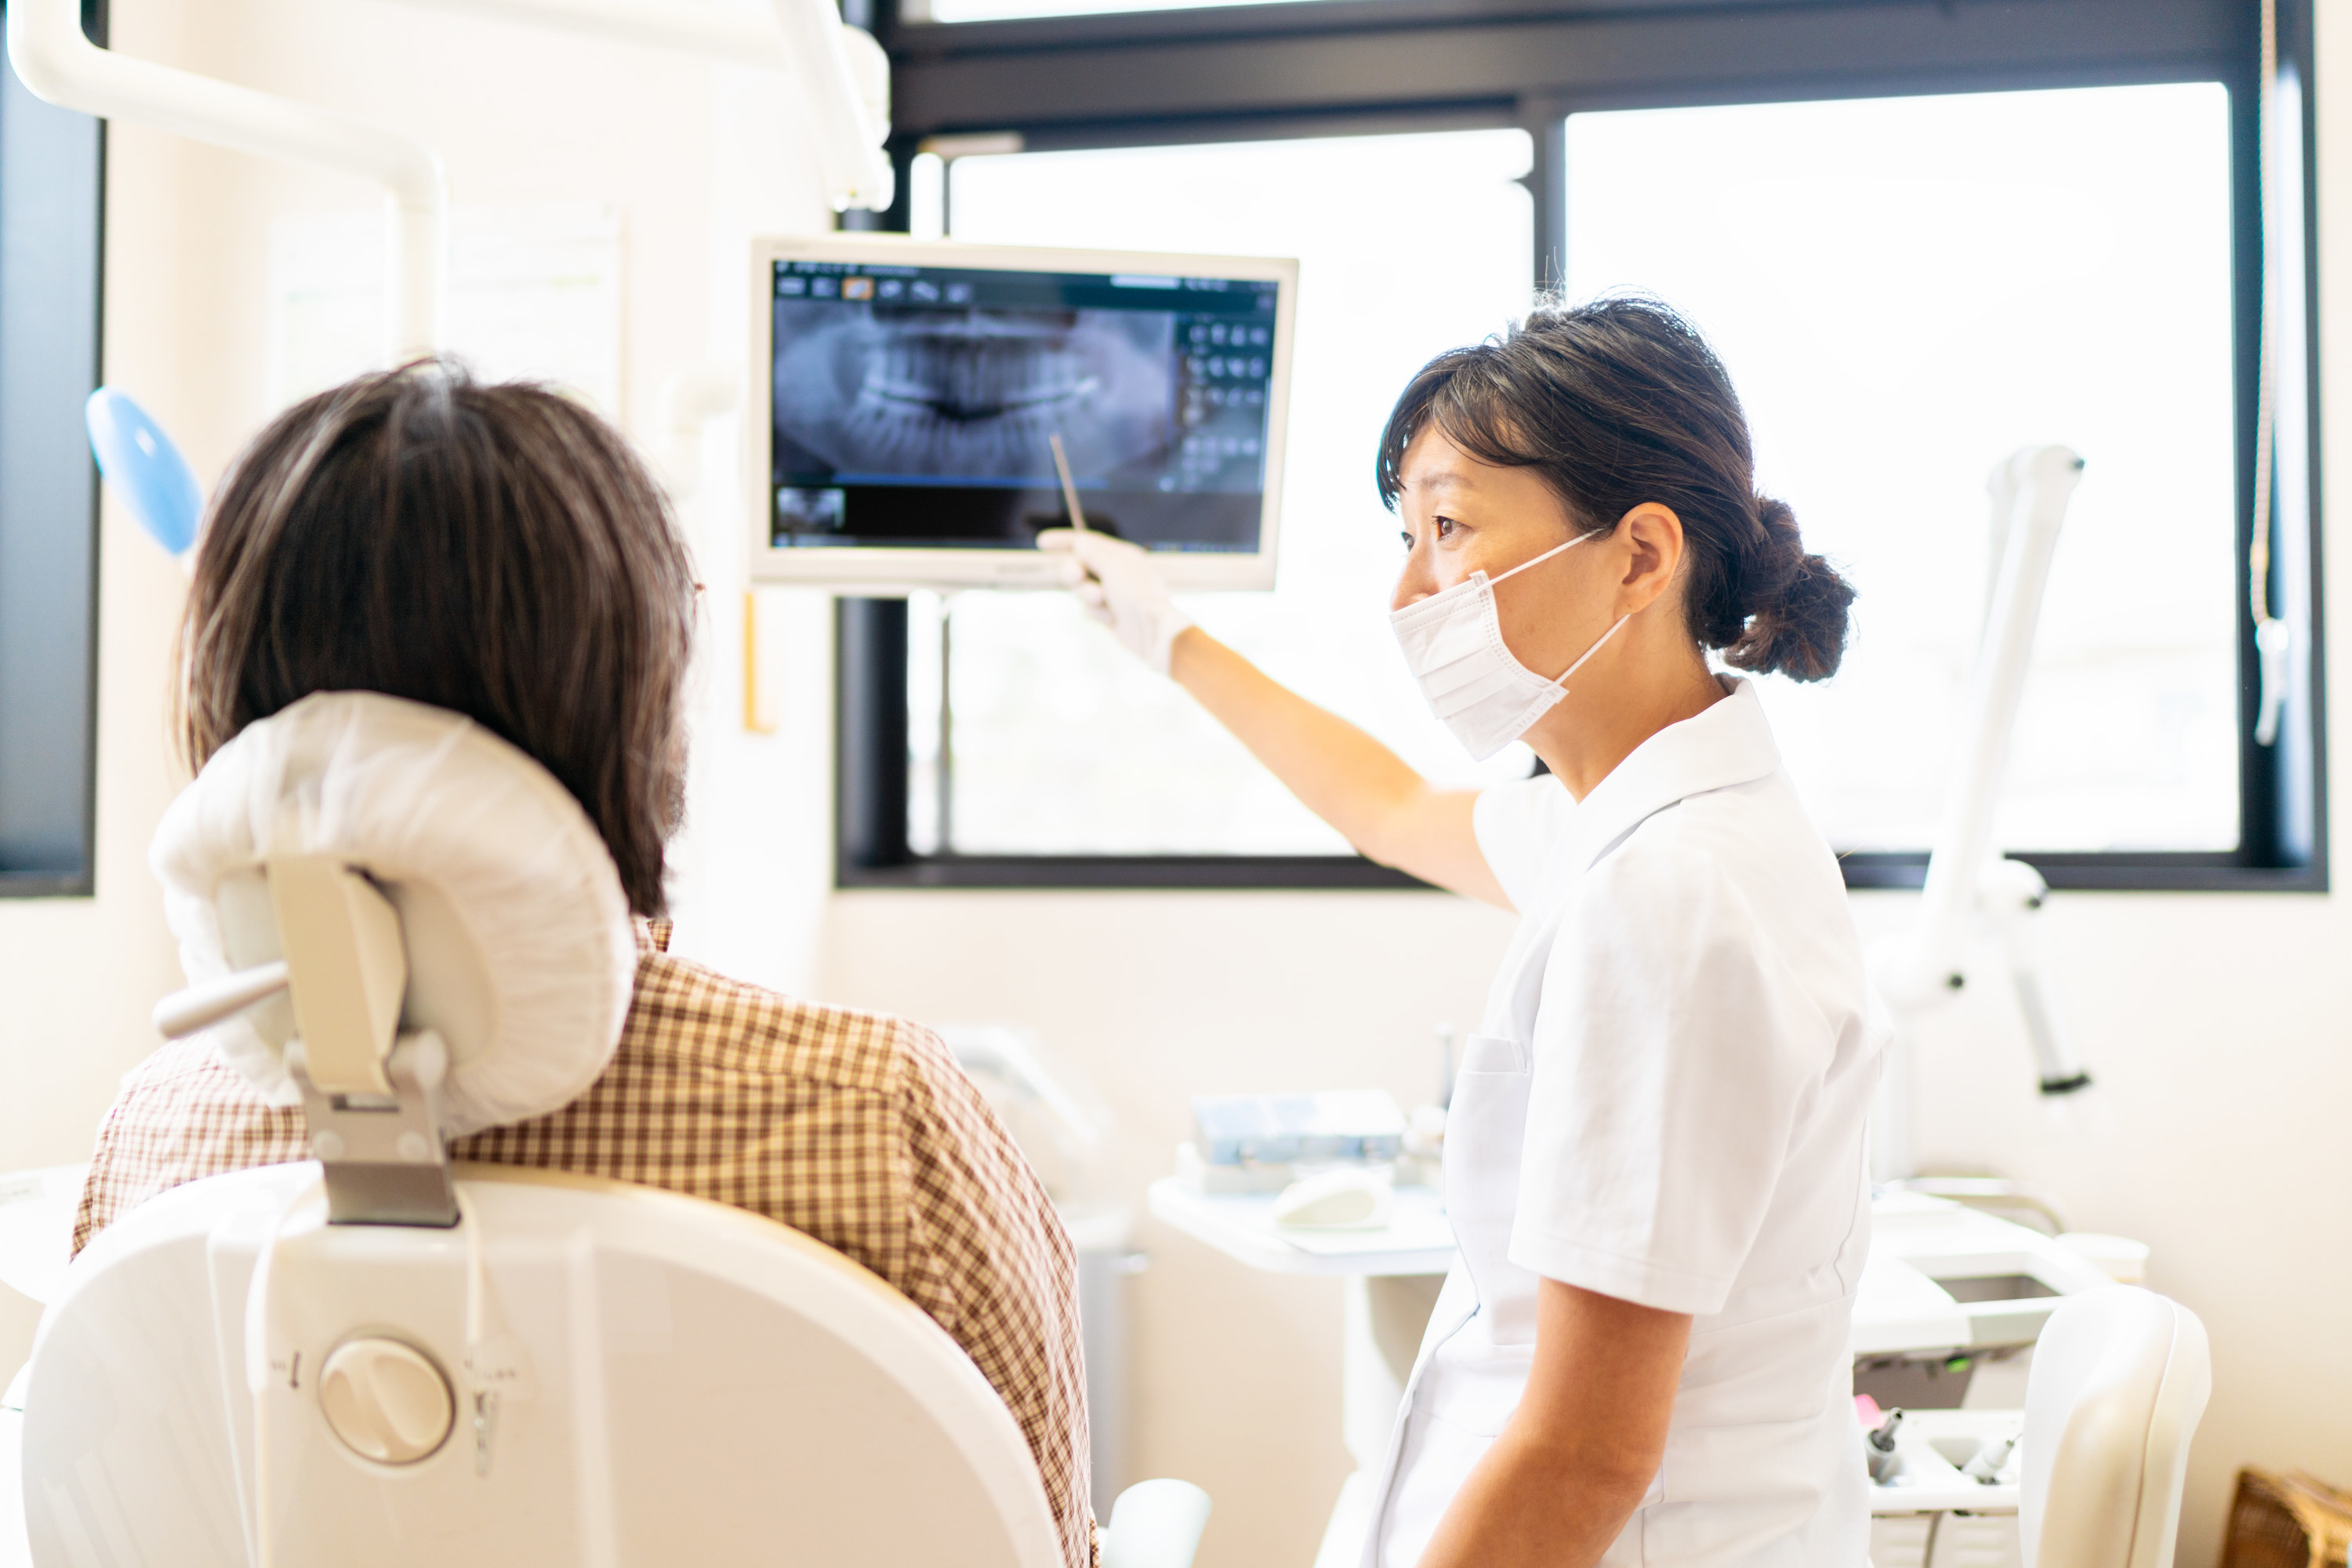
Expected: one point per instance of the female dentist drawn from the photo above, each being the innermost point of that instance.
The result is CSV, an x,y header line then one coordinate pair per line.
x,y
1654,1159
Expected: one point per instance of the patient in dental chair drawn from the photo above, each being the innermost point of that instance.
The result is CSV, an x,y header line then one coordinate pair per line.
x,y
499,552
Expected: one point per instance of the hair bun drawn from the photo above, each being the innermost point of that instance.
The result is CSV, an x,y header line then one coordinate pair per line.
x,y
1797,625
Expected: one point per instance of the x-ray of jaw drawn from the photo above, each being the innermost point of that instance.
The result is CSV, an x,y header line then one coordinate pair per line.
x,y
974,393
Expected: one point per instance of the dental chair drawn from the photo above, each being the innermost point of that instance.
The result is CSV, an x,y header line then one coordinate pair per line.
x,y
402,924
2119,1381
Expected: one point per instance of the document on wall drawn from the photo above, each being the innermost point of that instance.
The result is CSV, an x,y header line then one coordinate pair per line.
x,y
534,291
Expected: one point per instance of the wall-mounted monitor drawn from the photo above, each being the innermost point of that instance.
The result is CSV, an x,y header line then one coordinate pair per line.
x,y
904,394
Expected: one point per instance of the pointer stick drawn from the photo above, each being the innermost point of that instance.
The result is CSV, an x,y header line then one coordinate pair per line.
x,y
1069,485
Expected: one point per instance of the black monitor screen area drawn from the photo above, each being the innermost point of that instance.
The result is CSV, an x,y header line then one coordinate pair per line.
x,y
913,406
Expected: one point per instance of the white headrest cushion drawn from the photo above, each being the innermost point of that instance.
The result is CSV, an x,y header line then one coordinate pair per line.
x,y
521,953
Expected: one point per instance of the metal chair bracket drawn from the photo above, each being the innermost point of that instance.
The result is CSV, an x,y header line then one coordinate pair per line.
x,y
384,1159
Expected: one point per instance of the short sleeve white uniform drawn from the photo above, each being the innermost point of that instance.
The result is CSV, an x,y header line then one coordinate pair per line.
x,y
1665,1104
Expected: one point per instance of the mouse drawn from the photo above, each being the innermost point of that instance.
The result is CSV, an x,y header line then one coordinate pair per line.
x,y
1349,1198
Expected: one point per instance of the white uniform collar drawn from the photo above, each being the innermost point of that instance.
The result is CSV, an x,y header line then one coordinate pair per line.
x,y
1729,744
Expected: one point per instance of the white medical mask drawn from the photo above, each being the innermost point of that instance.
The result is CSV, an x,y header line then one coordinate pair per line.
x,y
1452,643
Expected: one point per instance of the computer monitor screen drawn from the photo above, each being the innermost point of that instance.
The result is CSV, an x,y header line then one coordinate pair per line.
x,y
911,390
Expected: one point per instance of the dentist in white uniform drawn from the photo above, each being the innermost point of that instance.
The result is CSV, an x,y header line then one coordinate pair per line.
x,y
1655,1160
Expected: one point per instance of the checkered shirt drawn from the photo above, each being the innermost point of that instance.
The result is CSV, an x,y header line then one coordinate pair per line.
x,y
854,1128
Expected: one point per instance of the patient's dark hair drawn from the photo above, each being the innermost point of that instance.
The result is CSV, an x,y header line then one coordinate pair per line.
x,y
1619,402
496,551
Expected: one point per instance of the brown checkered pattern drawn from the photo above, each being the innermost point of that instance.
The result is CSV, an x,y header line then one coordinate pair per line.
x,y
854,1128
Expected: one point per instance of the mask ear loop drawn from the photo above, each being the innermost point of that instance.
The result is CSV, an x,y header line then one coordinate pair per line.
x,y
1514,571
1596,647
1539,559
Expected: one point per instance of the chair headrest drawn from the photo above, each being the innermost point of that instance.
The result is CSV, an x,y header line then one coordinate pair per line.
x,y
521,951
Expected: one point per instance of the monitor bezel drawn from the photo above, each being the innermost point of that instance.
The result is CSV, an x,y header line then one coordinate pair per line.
x,y
886,569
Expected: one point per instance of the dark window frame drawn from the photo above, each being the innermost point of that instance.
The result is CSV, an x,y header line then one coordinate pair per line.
x,y
1341,67
52,256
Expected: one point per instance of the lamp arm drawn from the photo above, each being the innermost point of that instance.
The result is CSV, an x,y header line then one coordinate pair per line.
x,y
741,38
841,74
2044,479
61,66
2014,897
858,172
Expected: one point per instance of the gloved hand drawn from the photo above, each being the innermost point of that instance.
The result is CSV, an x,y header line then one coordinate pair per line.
x,y
1119,587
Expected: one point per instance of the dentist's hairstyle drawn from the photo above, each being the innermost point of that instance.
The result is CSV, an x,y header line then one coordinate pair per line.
x,y
1619,402
496,551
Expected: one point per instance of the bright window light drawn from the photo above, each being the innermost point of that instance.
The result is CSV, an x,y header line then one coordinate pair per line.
x,y
1905,291
1055,741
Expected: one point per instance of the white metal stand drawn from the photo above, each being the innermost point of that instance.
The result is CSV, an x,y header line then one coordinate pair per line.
x,y
1971,889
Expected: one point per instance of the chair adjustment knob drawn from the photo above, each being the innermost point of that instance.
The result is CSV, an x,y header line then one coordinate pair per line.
x,y
387,1400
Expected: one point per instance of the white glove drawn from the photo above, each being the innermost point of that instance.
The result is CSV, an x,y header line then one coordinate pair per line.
x,y
1121,588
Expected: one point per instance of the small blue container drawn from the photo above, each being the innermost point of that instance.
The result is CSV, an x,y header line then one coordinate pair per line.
x,y
144,468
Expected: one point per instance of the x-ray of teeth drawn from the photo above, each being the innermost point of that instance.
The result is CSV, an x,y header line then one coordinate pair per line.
x,y
974,393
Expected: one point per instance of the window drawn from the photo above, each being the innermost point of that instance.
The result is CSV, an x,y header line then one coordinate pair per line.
x,y
1921,237
1055,742
1907,290
50,172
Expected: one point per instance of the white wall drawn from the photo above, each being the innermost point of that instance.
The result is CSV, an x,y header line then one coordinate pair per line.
x,y
2217,1025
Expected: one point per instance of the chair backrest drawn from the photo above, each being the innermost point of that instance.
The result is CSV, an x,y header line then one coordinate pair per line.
x,y
2120,1379
585,1372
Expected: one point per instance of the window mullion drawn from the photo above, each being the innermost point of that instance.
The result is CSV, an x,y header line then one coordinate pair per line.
x,y
1545,120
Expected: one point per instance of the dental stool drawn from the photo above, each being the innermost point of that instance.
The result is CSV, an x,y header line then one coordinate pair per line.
x,y
398,921
2119,1381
